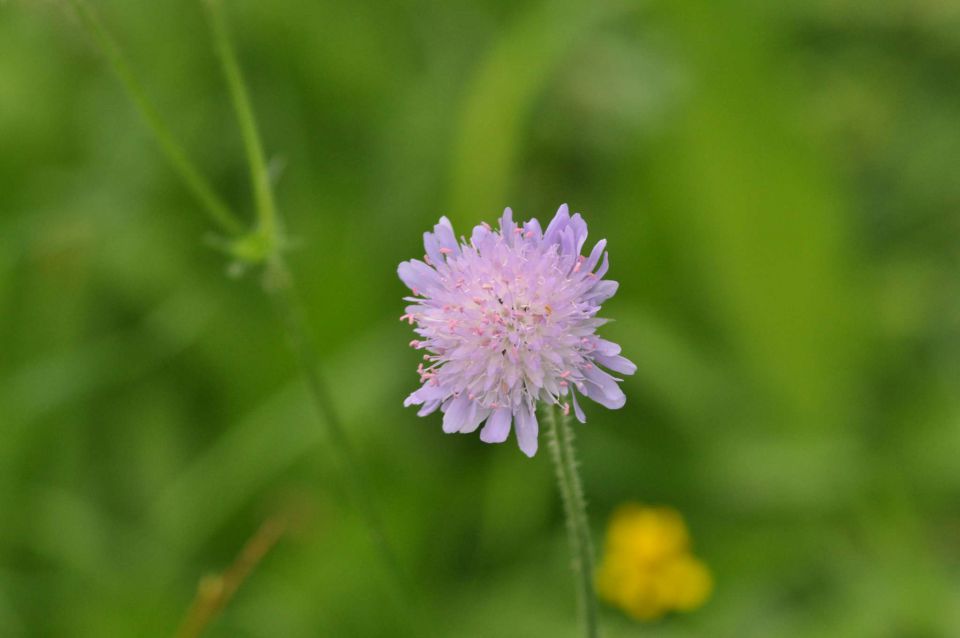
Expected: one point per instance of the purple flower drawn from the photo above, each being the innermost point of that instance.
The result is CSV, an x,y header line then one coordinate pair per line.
x,y
507,319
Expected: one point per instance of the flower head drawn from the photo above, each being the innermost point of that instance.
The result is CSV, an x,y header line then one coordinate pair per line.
x,y
507,319
647,568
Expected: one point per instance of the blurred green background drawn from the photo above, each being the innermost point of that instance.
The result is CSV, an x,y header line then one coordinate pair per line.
x,y
779,184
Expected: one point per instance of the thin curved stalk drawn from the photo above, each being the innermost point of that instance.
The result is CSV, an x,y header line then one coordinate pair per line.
x,y
191,177
267,217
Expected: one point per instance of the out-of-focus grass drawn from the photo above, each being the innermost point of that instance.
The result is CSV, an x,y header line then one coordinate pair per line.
x,y
778,185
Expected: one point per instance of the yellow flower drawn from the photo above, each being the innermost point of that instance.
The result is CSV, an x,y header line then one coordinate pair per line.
x,y
647,567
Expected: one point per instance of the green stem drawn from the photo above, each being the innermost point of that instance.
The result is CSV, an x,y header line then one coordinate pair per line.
x,y
560,442
267,217
195,182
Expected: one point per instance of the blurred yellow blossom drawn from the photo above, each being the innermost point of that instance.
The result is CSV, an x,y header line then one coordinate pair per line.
x,y
647,568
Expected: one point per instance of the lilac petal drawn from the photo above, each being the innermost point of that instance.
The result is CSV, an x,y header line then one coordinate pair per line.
x,y
444,234
532,228
607,348
477,415
456,413
512,374
526,426
594,257
557,224
432,247
577,410
440,242
497,427
424,394
507,225
579,231
568,242
603,388
597,394
492,376
431,392
532,368
481,238
616,363
429,408
602,291
604,266
418,276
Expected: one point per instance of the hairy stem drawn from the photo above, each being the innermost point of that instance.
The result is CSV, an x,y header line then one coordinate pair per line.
x,y
560,442
219,212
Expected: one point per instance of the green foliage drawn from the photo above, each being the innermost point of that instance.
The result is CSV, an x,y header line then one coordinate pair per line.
x,y
778,185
